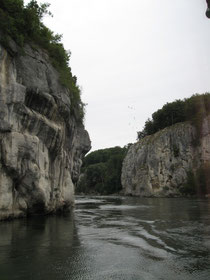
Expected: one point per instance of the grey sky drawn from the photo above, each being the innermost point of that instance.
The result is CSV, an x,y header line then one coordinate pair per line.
x,y
131,57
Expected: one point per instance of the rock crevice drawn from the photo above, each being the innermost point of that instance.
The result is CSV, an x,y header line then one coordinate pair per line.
x,y
41,143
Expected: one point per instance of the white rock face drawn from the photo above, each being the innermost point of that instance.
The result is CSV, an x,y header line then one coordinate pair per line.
x,y
42,145
159,164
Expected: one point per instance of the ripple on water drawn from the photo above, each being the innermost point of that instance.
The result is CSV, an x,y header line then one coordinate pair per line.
x,y
89,201
123,207
111,238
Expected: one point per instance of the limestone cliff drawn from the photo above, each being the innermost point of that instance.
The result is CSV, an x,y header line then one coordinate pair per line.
x,y
160,164
41,143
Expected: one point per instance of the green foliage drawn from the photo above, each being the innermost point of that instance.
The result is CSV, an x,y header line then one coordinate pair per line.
x,y
192,109
197,181
24,25
189,188
102,171
176,150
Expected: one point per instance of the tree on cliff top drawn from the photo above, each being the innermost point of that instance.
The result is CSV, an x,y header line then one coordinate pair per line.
x,y
192,109
24,25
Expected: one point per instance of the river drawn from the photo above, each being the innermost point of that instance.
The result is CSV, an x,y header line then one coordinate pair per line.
x,y
111,238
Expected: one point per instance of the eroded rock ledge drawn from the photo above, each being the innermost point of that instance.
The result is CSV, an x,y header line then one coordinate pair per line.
x,y
41,143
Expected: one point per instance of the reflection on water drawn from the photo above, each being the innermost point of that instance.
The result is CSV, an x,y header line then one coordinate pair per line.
x,y
111,238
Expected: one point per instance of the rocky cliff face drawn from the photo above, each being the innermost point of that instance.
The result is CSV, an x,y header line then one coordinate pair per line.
x,y
160,164
41,143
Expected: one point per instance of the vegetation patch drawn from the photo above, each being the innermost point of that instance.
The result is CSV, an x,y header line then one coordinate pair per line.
x,y
24,25
197,182
175,150
189,188
101,171
192,109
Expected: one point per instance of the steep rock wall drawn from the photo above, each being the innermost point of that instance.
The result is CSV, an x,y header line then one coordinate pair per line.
x,y
41,143
159,164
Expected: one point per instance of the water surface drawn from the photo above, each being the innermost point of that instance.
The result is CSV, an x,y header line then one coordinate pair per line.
x,y
111,238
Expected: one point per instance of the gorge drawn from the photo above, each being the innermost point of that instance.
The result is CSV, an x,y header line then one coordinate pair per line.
x,y
140,211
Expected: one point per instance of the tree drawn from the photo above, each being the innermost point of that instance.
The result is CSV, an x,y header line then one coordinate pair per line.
x,y
24,24
192,109
102,171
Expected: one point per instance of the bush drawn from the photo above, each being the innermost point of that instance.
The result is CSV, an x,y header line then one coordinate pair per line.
x,y
189,188
102,171
197,182
24,25
192,109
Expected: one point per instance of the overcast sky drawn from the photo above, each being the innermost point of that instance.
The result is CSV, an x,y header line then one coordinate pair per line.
x,y
131,57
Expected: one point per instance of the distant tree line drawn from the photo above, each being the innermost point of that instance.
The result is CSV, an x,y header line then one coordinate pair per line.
x,y
24,25
101,171
192,109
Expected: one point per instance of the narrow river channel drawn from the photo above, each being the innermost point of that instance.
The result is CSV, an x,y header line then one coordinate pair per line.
x,y
111,238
